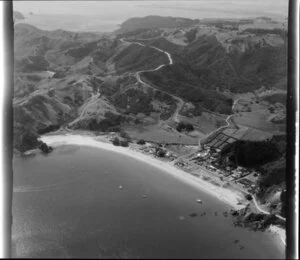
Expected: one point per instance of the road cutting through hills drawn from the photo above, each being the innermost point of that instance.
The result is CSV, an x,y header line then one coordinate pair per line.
x,y
180,102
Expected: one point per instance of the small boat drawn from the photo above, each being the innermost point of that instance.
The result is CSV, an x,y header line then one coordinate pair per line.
x,y
199,201
120,187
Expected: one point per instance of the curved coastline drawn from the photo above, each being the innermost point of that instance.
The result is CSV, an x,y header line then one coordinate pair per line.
x,y
227,196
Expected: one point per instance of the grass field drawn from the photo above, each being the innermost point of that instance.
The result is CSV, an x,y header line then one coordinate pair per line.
x,y
252,134
159,135
255,119
205,123
256,112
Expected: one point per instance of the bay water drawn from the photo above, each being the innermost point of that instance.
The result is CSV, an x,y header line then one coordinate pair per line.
x,y
88,202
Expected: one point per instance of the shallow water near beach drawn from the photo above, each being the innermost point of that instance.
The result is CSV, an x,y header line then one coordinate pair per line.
x,y
93,203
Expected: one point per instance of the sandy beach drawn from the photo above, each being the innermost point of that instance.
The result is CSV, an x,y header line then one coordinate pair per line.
x,y
280,232
231,198
226,195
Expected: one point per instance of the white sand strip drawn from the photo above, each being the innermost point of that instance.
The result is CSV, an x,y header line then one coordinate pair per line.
x,y
280,232
225,195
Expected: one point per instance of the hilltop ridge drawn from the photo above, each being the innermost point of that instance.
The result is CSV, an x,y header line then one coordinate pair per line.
x,y
154,21
18,15
213,61
224,80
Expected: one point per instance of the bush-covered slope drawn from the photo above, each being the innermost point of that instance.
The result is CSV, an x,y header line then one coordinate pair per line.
x,y
236,70
251,153
269,158
136,57
182,81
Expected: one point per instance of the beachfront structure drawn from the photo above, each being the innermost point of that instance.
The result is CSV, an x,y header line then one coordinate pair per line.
x,y
200,145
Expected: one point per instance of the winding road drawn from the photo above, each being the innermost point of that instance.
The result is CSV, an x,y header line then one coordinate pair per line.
x,y
227,125
226,120
268,213
264,211
180,102
137,75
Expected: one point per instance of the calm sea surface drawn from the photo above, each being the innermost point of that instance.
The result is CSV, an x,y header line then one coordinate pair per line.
x,y
105,16
69,204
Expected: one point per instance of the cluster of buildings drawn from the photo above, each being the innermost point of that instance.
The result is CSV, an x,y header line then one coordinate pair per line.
x,y
206,157
158,151
245,178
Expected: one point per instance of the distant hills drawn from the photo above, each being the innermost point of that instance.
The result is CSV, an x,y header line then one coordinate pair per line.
x,y
18,16
153,21
205,66
108,83
95,75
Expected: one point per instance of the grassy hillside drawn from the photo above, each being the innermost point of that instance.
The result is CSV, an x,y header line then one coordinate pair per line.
x,y
182,81
136,57
276,98
238,71
95,74
32,44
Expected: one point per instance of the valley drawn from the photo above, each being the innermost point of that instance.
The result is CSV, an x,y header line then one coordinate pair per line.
x,y
202,88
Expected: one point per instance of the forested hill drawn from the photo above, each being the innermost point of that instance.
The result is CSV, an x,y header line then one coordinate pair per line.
x,y
247,66
97,76
269,158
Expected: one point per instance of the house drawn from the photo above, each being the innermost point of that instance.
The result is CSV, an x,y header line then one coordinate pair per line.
x,y
212,168
246,182
235,175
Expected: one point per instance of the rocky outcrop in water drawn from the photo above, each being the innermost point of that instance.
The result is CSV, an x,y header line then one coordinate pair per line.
x,y
45,148
255,221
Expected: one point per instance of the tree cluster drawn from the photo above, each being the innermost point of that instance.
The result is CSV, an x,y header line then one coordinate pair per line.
x,y
141,142
44,147
118,142
251,153
48,129
184,126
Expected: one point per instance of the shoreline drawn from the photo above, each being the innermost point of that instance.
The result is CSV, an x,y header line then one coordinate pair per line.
x,y
227,196
280,232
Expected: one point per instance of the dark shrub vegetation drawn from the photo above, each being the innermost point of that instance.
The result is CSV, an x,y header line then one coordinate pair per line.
x,y
251,153
48,129
191,35
45,148
116,141
124,143
184,126
111,120
141,141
